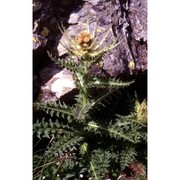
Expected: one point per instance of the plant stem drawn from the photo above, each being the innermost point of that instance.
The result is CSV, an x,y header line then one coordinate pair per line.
x,y
91,162
84,82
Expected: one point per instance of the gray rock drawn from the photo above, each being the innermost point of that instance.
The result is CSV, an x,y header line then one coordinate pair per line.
x,y
62,46
55,83
48,72
122,16
62,85
37,5
93,2
38,41
138,19
73,18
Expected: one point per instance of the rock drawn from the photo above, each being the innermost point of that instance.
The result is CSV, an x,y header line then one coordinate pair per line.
x,y
55,83
61,48
39,41
138,19
39,44
62,85
73,18
37,5
93,2
48,72
101,15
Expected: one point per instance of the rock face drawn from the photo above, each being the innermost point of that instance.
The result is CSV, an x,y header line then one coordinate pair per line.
x,y
129,24
128,19
55,83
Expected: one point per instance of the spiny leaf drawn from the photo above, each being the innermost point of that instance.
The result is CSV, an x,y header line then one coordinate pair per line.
x,y
108,83
55,109
127,156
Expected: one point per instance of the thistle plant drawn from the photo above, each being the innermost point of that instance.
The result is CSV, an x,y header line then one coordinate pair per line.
x,y
83,144
85,45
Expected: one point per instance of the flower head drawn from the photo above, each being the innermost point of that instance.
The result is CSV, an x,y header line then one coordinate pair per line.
x,y
141,111
86,45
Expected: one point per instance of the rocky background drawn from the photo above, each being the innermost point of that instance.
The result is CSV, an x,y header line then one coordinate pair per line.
x,y
128,19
